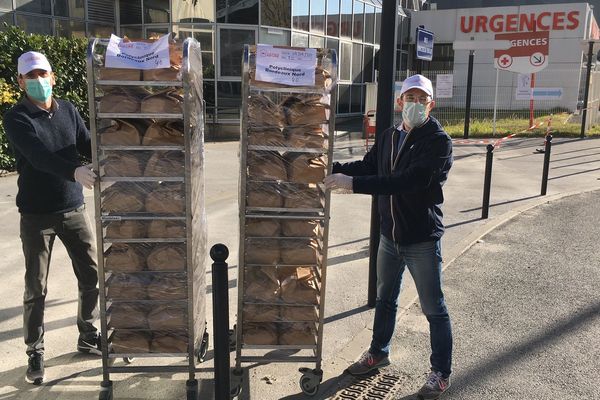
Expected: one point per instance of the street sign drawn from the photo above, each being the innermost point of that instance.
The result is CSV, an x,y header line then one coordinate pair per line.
x,y
528,52
424,44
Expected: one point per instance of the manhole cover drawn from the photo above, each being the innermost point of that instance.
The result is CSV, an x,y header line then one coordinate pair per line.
x,y
378,386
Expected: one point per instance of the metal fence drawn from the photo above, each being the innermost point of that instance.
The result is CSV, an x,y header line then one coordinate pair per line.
x,y
558,100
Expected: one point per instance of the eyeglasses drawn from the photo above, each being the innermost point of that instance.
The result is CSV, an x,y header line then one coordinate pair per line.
x,y
414,99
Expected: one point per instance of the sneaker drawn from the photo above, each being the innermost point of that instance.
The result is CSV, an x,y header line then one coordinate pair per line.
x,y
35,369
433,388
89,344
367,363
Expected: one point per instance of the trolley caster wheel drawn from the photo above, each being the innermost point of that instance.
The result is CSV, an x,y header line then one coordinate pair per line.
x,y
128,360
236,379
201,353
232,338
106,391
310,380
191,389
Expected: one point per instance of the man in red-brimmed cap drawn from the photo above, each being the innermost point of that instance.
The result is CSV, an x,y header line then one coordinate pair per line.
x,y
406,169
47,136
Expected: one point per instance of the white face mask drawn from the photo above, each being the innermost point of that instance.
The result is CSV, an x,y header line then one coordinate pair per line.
x,y
414,114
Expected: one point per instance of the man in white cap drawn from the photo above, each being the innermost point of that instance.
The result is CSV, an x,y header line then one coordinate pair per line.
x,y
406,169
47,136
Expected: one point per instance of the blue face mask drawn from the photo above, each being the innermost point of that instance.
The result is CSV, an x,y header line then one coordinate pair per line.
x,y
414,114
39,89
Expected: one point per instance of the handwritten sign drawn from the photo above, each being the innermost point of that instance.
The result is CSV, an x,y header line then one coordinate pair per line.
x,y
286,66
137,55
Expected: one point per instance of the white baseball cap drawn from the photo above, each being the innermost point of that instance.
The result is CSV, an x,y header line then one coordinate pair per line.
x,y
32,60
417,82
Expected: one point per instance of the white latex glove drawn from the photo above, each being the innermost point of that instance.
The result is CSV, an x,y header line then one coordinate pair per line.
x,y
85,176
339,181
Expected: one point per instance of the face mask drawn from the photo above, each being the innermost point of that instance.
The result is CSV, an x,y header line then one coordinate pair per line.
x,y
414,114
39,89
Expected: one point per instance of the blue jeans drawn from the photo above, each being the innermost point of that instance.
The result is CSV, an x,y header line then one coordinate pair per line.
x,y
424,261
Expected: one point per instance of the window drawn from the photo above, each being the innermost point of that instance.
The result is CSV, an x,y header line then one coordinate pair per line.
x,y
6,4
193,11
343,99
332,44
231,47
276,13
229,99
356,99
101,10
345,61
156,32
377,25
97,30
333,17
130,12
299,39
369,24
357,62
237,12
65,28
300,15
209,97
156,11
274,36
69,8
368,63
317,41
204,35
38,7
6,17
31,24
346,19
132,32
317,16
359,20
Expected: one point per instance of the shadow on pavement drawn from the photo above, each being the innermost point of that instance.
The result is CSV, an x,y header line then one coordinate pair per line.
x,y
534,344
574,173
12,312
348,257
346,314
502,203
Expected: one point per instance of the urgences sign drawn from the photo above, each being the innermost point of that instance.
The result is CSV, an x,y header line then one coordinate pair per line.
x,y
543,21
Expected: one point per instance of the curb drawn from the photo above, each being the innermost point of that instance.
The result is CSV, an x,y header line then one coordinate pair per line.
x,y
361,341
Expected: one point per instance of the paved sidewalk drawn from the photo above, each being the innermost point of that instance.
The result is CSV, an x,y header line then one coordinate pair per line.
x,y
515,188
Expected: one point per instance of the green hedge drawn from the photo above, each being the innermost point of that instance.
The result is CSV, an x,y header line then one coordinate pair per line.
x,y
67,57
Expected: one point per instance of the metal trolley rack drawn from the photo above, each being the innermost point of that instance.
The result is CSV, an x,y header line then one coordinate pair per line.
x,y
286,150
148,148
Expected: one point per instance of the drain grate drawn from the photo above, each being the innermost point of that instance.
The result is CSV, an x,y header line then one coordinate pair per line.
x,y
378,386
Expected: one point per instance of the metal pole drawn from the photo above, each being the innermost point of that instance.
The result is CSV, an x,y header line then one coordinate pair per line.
x,y
383,120
531,100
587,88
495,102
469,87
487,182
220,299
547,148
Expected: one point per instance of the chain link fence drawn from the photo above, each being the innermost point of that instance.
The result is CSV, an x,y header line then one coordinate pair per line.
x,y
556,105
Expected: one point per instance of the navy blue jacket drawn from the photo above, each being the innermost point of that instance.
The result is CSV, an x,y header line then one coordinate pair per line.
x,y
47,145
409,184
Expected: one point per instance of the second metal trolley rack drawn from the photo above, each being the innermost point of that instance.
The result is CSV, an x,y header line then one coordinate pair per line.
x,y
286,150
148,149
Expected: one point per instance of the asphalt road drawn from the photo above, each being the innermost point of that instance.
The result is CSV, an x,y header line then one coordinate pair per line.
x,y
525,307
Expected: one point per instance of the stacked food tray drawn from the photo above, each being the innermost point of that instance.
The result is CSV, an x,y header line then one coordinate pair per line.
x,y
286,151
147,134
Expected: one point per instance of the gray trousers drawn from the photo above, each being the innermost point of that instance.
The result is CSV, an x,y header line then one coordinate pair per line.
x,y
38,232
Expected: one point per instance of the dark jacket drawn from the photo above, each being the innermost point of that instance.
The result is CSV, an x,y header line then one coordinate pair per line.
x,y
47,145
409,192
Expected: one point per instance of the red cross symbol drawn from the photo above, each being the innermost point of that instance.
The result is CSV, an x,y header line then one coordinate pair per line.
x,y
505,61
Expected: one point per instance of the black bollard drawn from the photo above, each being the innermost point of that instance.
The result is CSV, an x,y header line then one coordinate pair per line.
x,y
220,297
487,183
547,148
